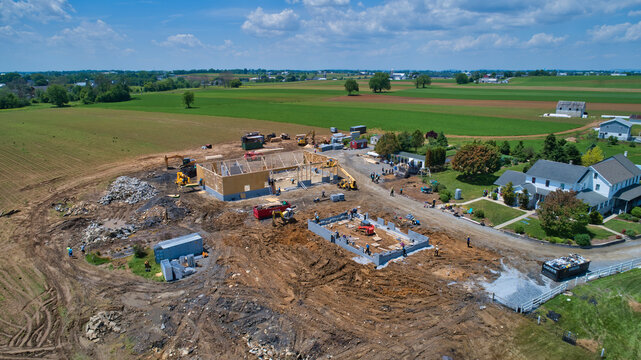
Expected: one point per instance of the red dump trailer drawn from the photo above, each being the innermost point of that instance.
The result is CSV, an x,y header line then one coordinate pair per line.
x,y
265,211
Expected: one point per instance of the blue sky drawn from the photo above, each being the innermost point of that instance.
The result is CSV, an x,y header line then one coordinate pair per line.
x,y
319,34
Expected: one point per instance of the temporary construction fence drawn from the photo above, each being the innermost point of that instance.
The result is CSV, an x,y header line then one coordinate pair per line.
x,y
537,301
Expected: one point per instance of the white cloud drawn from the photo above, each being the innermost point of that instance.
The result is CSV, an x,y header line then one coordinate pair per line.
x,y
634,13
543,39
619,32
10,33
321,3
271,24
89,35
38,10
182,40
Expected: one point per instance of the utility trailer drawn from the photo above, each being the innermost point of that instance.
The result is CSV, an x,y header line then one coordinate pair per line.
x,y
565,267
265,211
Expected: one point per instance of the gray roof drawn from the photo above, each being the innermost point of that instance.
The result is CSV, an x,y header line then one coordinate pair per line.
x,y
621,121
531,189
177,241
616,169
630,193
411,155
571,104
552,170
517,178
591,198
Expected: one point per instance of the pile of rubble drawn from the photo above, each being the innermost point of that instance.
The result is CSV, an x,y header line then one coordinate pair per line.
x,y
97,232
101,323
265,351
82,208
129,190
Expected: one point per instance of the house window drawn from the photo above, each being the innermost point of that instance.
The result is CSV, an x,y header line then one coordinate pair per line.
x,y
598,186
596,175
562,186
533,180
547,183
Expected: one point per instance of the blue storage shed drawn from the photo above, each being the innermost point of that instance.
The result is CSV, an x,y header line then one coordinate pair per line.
x,y
191,244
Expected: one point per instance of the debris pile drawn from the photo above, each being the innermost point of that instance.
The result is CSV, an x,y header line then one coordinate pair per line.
x,y
97,232
129,190
264,351
66,209
101,323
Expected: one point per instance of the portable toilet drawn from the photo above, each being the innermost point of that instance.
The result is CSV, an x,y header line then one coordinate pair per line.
x,y
457,194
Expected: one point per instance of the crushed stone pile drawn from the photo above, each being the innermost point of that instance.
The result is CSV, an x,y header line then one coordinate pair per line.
x,y
101,323
97,232
82,208
129,190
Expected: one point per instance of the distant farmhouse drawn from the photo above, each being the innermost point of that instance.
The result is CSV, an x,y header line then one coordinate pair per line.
x,y
571,108
611,185
617,127
399,76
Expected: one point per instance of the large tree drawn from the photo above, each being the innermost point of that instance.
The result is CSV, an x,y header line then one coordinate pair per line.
x,y
422,80
379,82
417,139
404,140
461,78
435,158
188,98
441,140
562,214
57,95
351,86
474,159
592,156
387,144
509,197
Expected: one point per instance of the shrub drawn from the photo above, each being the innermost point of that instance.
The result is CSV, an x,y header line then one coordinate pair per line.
x,y
139,251
445,195
439,188
625,216
631,233
519,229
634,219
495,196
632,144
582,239
596,218
479,214
636,212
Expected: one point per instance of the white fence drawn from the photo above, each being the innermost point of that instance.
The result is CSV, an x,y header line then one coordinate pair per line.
x,y
593,275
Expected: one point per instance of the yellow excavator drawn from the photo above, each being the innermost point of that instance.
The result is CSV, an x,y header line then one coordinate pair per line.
x,y
184,161
286,216
183,180
302,138
347,182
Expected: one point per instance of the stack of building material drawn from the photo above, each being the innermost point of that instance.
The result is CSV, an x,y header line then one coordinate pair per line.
x,y
177,247
355,134
338,146
337,197
179,270
326,147
166,269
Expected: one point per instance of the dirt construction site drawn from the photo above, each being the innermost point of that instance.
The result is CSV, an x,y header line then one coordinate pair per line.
x,y
266,290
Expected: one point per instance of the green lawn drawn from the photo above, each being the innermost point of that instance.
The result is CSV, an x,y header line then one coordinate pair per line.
x,y
628,82
471,188
495,213
96,259
599,311
619,225
137,266
532,227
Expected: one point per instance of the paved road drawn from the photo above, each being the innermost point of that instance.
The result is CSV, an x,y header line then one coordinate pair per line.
x,y
485,236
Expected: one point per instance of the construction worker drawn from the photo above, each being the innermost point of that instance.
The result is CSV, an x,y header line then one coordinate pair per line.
x,y
400,191
436,251
323,194
367,250
70,251
403,247
468,242
82,249
316,217
391,192
147,266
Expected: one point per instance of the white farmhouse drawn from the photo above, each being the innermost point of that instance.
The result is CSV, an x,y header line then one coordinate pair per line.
x,y
617,127
611,185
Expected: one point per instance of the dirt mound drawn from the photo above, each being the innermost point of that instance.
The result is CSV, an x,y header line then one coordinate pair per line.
x,y
129,190
635,306
588,344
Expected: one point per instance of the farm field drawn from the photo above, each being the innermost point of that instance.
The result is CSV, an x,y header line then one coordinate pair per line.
x,y
46,145
602,314
264,104
627,82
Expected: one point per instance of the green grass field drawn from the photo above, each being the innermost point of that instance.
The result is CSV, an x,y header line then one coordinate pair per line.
x,y
532,227
619,225
599,311
305,107
495,213
628,82
137,266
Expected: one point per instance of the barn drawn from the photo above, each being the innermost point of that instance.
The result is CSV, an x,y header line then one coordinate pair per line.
x,y
571,108
617,127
